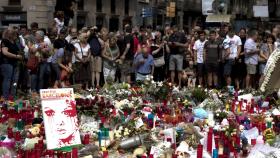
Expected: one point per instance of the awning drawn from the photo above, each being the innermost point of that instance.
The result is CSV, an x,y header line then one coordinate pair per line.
x,y
218,18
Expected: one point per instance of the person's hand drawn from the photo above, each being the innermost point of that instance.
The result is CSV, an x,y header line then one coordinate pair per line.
x,y
19,57
142,61
44,50
175,43
123,57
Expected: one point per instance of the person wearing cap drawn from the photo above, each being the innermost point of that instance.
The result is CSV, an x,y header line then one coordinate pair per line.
x,y
143,64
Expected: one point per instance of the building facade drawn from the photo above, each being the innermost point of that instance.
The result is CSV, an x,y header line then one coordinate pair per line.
x,y
114,14
15,12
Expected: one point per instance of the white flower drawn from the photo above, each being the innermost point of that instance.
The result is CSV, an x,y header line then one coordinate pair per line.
x,y
160,84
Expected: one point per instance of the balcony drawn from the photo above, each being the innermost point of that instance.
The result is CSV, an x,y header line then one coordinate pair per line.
x,y
161,3
192,5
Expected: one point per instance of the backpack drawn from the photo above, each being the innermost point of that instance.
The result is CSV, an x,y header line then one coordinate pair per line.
x,y
95,46
32,63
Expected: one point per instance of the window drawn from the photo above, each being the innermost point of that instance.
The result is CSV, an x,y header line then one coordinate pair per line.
x,y
99,22
81,22
113,6
126,7
80,5
14,2
99,5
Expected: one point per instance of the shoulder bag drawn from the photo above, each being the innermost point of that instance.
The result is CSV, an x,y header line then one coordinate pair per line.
x,y
158,62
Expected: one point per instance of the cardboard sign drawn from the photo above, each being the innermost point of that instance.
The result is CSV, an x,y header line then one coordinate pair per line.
x,y
60,118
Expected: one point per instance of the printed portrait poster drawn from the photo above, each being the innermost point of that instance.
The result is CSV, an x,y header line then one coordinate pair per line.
x,y
60,117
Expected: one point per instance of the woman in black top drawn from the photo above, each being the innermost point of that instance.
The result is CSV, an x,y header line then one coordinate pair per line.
x,y
158,49
240,66
9,60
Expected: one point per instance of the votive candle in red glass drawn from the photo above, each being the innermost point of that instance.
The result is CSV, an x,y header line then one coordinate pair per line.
x,y
233,106
209,140
86,139
17,136
199,150
75,153
105,154
253,142
10,132
216,138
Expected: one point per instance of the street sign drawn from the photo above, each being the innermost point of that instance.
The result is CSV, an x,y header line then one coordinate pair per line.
x,y
171,10
147,12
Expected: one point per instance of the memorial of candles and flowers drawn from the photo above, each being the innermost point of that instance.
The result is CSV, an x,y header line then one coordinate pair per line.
x,y
146,120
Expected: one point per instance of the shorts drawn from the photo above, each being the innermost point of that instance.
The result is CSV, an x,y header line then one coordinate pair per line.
x,y
211,67
228,67
261,68
251,69
141,77
176,62
200,69
96,64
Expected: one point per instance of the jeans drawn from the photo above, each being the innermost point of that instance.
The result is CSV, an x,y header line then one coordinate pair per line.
x,y
10,77
33,82
56,69
44,71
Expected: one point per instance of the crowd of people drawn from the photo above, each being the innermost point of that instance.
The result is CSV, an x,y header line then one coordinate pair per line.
x,y
35,58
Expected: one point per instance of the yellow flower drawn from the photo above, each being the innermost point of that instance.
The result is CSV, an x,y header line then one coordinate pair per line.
x,y
35,130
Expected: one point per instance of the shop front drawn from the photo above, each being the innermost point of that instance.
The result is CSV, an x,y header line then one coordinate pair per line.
x,y
12,19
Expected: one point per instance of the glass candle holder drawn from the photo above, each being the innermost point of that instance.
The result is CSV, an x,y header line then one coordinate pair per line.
x,y
253,142
199,151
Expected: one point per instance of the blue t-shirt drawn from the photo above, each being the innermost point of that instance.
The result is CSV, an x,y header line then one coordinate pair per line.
x,y
145,68
58,54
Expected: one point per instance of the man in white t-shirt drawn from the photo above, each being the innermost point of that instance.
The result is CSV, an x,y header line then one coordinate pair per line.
x,y
232,44
198,55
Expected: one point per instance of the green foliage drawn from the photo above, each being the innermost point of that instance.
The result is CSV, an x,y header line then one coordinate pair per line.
x,y
199,95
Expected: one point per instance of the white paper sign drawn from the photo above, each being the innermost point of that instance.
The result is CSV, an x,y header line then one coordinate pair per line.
x,y
207,8
260,11
60,118
247,97
139,123
156,152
